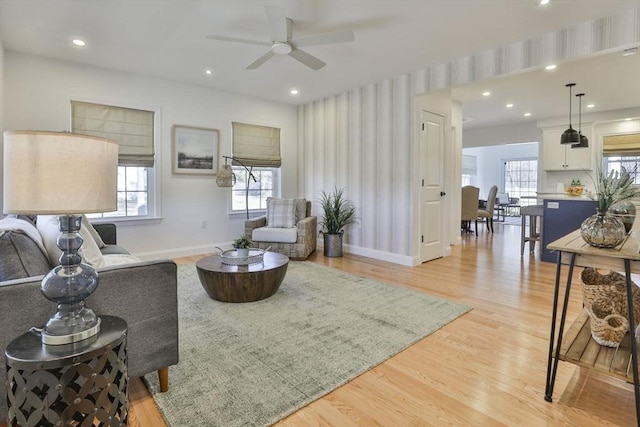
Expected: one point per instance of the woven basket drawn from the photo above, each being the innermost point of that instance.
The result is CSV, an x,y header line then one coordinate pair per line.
x,y
607,326
613,287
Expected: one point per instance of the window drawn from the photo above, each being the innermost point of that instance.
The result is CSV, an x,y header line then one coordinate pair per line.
x,y
133,129
622,151
469,170
521,179
263,187
630,163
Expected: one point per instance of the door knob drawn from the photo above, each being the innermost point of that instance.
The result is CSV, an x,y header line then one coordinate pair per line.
x,y
442,193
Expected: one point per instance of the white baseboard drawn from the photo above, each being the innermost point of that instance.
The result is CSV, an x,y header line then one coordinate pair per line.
x,y
381,255
179,252
172,253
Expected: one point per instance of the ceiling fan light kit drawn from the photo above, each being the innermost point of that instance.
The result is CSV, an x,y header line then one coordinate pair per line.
x,y
282,43
281,48
570,136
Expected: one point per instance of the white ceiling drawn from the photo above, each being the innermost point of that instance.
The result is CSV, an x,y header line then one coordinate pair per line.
x,y
167,39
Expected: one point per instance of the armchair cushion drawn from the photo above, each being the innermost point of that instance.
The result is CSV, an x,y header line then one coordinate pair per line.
x,y
274,234
280,213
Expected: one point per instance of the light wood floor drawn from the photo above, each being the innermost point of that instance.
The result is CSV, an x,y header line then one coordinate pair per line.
x,y
487,368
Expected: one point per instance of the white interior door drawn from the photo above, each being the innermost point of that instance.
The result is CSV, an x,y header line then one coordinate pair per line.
x,y
432,186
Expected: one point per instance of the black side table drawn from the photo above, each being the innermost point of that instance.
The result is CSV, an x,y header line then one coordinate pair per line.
x,y
72,384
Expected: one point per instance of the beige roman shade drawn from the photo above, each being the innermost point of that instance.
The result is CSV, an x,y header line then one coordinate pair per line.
x,y
621,145
131,128
257,146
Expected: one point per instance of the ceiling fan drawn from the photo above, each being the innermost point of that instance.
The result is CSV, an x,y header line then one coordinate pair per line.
x,y
282,44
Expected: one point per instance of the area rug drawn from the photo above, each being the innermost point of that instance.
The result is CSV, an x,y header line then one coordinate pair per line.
x,y
252,364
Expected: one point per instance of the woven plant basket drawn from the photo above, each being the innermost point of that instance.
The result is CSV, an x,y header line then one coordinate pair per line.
x,y
607,326
613,287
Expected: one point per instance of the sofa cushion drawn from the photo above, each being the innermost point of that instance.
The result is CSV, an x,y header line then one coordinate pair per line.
x,y
280,213
275,234
119,259
49,230
21,257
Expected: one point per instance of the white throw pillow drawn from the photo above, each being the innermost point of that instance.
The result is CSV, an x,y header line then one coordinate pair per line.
x,y
89,227
281,213
47,225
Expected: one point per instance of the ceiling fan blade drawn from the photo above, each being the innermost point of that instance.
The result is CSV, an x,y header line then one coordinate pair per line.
x,y
278,25
237,40
307,59
337,37
258,62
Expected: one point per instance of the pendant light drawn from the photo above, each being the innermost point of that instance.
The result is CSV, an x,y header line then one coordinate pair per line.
x,y
570,136
584,142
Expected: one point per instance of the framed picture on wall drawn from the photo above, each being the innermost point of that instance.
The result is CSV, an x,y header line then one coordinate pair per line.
x,y
195,150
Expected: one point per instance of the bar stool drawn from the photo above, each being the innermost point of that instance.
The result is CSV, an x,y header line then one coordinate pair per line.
x,y
532,213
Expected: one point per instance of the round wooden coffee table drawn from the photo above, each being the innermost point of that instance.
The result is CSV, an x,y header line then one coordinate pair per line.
x,y
242,283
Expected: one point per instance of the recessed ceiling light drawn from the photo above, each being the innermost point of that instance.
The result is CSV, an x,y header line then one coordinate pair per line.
x,y
486,93
551,67
509,105
630,51
527,114
293,91
591,105
208,72
544,2
78,42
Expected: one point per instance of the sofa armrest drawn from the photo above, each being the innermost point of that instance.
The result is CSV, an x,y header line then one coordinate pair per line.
x,y
253,223
144,294
107,232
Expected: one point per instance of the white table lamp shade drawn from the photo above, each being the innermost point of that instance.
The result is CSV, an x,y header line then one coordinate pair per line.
x,y
59,173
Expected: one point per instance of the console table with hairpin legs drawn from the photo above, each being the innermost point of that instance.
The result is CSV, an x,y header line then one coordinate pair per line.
x,y
576,345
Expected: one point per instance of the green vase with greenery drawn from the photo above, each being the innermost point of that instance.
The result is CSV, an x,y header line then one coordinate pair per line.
x,y
605,230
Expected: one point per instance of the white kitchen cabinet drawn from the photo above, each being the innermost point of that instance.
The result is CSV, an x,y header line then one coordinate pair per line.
x,y
563,157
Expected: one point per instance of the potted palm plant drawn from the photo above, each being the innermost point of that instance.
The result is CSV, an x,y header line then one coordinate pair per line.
x,y
338,212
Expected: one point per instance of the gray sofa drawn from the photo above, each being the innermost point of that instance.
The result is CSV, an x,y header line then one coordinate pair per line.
x,y
143,293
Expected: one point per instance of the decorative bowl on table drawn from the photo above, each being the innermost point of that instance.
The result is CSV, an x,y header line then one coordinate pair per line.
x,y
232,257
574,190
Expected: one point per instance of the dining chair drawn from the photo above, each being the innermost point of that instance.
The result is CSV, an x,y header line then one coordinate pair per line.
x,y
487,213
470,196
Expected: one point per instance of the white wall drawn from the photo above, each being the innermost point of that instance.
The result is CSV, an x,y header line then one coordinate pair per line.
x,y
490,162
362,140
1,115
496,135
37,94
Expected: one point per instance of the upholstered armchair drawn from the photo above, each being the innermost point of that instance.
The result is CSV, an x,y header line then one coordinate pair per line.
x,y
288,228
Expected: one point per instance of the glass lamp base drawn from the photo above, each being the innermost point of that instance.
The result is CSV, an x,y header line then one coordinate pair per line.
x,y
69,284
72,337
